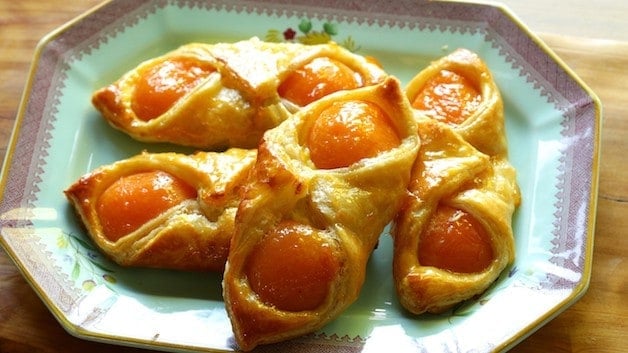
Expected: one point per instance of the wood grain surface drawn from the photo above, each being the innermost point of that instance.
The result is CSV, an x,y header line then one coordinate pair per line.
x,y
596,323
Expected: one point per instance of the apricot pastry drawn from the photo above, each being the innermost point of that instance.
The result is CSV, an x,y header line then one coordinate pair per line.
x,y
326,183
459,90
164,210
213,96
453,236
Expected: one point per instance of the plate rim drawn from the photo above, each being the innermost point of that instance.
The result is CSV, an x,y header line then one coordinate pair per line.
x,y
76,330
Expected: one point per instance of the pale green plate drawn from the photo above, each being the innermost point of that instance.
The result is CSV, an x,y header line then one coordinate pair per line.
x,y
553,125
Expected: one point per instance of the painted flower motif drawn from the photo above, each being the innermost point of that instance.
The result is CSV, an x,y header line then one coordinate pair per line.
x,y
289,34
85,261
306,34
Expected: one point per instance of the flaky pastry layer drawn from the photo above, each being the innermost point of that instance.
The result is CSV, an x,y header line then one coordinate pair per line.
x,y
485,128
350,206
232,106
451,172
193,235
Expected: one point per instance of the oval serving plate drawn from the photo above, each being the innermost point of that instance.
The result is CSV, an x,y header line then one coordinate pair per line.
x,y
553,125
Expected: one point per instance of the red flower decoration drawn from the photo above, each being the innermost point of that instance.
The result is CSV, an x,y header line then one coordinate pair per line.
x,y
289,34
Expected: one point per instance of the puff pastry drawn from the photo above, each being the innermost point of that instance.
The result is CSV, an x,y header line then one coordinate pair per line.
x,y
481,120
480,193
213,96
164,210
453,236
306,226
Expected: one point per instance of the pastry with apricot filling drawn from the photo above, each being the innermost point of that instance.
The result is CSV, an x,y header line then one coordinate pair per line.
x,y
215,96
164,210
459,90
453,236
325,184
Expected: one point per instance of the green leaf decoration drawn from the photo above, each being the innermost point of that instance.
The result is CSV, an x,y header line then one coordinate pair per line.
x,y
273,36
76,270
84,243
109,278
315,38
310,37
102,267
305,26
330,28
86,260
350,44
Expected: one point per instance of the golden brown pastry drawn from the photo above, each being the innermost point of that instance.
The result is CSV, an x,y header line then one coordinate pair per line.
x,y
453,236
459,89
212,96
164,210
325,184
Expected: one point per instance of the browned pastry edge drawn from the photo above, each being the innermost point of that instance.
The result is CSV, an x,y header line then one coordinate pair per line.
x,y
350,205
194,235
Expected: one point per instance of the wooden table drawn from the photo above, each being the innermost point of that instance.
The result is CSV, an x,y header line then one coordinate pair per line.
x,y
596,323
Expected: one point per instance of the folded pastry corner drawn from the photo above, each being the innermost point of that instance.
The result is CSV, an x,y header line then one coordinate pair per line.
x,y
213,96
164,210
325,184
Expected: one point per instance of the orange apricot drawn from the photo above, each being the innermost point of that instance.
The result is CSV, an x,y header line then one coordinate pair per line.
x,y
292,267
454,240
348,131
449,97
316,79
135,199
161,85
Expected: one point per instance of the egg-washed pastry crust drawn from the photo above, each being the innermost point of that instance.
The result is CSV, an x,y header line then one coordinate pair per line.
x,y
193,235
451,172
243,194
233,105
348,206
485,128
464,166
